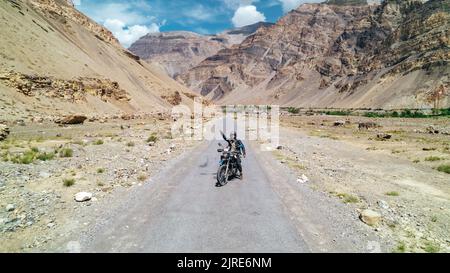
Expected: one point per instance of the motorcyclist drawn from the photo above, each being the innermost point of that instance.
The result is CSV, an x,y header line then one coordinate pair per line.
x,y
237,146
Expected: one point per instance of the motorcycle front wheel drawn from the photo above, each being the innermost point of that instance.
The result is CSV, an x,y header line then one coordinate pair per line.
x,y
222,176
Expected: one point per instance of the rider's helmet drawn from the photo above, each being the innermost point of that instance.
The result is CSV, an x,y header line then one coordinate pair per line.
x,y
233,136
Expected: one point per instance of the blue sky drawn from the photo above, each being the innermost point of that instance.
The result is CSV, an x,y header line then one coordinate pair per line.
x,y
129,20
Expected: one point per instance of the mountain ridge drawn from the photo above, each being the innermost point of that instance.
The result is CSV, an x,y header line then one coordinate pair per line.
x,y
177,51
392,55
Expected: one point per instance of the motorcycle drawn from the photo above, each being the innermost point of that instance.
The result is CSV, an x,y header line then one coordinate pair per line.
x,y
228,166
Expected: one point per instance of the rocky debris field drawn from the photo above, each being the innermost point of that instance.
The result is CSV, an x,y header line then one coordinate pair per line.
x,y
72,90
49,172
398,185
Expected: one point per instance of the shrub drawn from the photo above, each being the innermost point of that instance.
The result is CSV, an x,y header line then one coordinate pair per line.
x,y
392,193
45,156
100,170
444,168
68,182
152,138
293,110
142,177
338,113
432,158
130,144
65,153
348,198
98,142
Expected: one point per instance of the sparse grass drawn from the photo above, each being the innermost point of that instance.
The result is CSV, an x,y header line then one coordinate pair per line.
x,y
142,177
100,170
28,157
338,113
152,138
433,158
68,182
348,198
78,142
45,156
293,110
296,166
400,248
130,144
100,184
66,153
416,161
393,194
431,247
444,168
99,142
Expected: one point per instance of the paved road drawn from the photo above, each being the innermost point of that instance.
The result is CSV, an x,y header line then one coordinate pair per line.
x,y
181,210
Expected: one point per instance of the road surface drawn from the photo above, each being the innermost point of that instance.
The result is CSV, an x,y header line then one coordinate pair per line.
x,y
181,210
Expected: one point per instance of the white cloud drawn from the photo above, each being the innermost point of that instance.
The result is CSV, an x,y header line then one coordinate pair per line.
x,y
129,34
289,5
247,15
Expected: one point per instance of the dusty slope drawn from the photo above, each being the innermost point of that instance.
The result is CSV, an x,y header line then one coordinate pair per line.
x,y
394,55
51,39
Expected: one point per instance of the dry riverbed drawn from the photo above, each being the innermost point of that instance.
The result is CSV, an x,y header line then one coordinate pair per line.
x,y
43,166
400,177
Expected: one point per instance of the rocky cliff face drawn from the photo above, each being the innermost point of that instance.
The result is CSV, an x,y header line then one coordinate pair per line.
x,y
54,60
178,51
391,55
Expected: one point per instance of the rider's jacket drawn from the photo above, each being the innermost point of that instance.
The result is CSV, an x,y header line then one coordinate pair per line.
x,y
235,145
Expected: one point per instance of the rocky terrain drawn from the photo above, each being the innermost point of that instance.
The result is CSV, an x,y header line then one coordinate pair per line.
x,y
396,184
342,54
56,61
49,174
178,51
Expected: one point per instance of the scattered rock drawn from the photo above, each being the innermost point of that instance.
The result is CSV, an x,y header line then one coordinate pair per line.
x,y
383,204
4,132
370,217
432,130
83,196
367,125
384,136
10,207
339,123
303,179
72,119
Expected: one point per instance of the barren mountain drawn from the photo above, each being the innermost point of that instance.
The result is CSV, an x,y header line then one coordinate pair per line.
x,y
344,54
54,61
178,51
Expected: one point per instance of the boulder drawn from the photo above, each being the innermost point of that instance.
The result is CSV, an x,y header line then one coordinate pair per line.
x,y
367,125
4,132
384,136
339,123
83,196
370,217
432,130
72,119
10,207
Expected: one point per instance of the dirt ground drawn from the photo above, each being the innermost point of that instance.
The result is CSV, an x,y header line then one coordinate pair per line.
x,y
97,158
396,177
